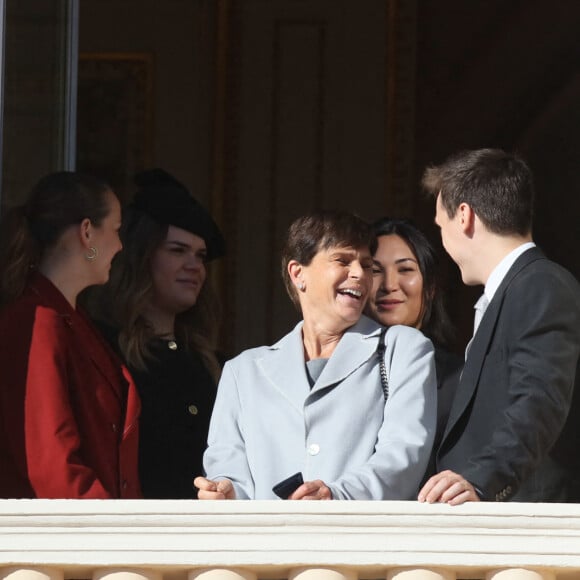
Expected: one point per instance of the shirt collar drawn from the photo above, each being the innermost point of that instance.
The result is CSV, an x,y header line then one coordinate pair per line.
x,y
498,273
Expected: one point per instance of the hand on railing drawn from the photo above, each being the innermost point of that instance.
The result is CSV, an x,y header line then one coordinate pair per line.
x,y
209,489
448,487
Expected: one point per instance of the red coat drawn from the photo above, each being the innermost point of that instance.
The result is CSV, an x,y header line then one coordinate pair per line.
x,y
68,407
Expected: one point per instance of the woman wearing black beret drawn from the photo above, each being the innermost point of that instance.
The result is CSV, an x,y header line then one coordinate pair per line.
x,y
164,319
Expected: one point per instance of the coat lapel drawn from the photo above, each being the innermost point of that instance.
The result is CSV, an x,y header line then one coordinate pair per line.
x,y
284,368
94,349
356,346
133,409
83,332
114,372
481,341
100,353
283,364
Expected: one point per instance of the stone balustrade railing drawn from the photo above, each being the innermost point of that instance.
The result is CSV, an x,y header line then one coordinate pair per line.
x,y
268,540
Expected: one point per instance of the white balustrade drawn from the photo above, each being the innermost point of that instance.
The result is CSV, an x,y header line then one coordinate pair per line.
x,y
272,540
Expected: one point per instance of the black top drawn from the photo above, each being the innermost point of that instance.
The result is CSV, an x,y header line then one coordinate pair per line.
x,y
177,397
448,366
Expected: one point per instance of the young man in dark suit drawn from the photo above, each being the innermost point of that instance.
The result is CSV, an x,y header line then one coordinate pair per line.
x,y
507,437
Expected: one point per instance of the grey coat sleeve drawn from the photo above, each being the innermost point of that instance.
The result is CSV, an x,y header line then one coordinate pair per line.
x,y
406,436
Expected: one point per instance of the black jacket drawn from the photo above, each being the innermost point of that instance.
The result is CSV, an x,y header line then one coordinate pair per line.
x,y
506,425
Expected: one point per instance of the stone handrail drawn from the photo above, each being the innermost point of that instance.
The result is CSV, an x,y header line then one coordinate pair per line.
x,y
336,540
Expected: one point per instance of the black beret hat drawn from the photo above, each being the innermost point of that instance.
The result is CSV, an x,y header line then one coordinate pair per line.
x,y
168,202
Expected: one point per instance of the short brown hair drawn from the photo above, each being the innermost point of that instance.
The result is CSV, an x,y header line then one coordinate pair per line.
x,y
321,230
498,186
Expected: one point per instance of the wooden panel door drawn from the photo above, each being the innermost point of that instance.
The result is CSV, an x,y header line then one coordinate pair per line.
x,y
308,126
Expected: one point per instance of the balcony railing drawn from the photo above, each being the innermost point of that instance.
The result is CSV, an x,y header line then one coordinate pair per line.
x,y
263,540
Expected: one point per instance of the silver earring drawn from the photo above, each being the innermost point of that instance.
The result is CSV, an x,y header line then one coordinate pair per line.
x,y
92,254
301,286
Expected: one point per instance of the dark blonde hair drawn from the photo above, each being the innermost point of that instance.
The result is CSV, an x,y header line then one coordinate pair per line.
x,y
56,202
129,290
321,230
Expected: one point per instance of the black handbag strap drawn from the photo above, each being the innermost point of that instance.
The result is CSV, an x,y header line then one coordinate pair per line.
x,y
382,367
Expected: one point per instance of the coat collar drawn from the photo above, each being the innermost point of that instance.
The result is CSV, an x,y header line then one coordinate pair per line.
x,y
47,293
284,365
480,344
355,348
101,356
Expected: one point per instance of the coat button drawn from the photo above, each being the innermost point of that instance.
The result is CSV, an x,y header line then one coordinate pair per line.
x,y
313,449
124,484
192,410
114,427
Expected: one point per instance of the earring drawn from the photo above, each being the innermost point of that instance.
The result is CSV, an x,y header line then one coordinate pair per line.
x,y
92,254
301,286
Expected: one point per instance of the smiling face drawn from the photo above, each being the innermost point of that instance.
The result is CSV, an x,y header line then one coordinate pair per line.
x,y
336,285
397,293
178,271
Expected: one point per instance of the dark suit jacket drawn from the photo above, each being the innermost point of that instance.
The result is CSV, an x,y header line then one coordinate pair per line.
x,y
515,393
68,409
448,366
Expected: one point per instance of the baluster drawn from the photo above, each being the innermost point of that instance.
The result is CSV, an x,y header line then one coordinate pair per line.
x,y
21,573
317,573
221,574
126,574
420,574
519,574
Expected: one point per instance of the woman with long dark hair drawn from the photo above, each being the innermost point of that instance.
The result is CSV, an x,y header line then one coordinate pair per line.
x,y
163,319
406,291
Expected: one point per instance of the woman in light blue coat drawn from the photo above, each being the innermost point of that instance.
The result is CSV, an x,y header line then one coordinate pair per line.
x,y
315,402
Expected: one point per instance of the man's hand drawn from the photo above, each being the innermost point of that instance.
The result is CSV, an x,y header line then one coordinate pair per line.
x,y
448,487
316,489
208,489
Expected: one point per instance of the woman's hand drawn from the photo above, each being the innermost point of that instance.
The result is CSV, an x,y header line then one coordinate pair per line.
x,y
316,489
209,489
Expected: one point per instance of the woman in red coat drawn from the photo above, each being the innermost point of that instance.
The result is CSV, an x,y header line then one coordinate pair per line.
x,y
68,408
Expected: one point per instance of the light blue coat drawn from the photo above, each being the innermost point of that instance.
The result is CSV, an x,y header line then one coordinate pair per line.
x,y
268,424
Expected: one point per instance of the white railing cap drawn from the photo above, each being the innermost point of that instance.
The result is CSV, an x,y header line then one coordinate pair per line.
x,y
284,534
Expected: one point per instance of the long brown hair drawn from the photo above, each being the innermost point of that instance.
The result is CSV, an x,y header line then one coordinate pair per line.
x,y
126,295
